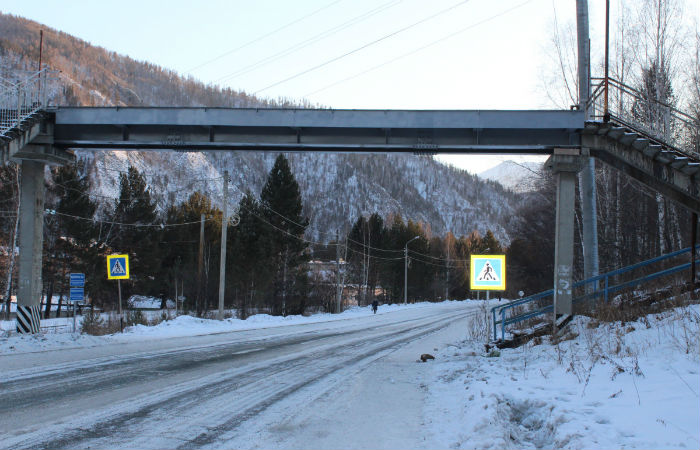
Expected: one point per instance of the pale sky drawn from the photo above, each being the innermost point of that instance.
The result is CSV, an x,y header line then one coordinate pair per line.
x,y
400,54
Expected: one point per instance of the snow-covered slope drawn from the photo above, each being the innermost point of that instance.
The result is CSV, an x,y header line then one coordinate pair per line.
x,y
516,176
603,385
336,188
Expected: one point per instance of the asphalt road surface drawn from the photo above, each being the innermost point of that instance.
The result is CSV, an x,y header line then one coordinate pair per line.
x,y
351,383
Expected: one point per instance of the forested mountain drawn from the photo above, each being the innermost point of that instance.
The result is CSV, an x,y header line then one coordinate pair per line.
x,y
335,188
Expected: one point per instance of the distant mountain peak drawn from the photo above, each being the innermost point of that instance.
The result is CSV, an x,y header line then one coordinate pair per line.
x,y
517,176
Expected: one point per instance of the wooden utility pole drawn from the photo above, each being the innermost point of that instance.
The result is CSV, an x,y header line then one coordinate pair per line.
x,y
447,272
222,263
41,46
693,244
337,267
200,268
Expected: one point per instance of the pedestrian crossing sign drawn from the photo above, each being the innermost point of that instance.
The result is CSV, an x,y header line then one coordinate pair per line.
x,y
118,267
487,272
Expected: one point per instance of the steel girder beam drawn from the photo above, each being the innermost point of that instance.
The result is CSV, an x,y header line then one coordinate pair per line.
x,y
648,166
191,129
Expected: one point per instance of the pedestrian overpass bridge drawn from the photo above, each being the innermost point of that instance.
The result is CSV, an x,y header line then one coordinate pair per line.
x,y
36,136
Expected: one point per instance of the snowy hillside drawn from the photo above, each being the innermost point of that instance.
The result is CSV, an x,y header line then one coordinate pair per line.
x,y
336,188
516,176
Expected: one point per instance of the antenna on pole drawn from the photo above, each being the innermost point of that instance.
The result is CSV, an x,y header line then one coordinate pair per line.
x,y
41,46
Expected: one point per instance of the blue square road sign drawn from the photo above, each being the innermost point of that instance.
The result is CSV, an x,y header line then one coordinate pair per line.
x,y
77,280
77,294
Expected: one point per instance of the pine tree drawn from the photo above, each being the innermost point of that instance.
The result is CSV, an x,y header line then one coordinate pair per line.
x,y
282,210
9,227
248,248
490,245
180,249
70,244
134,213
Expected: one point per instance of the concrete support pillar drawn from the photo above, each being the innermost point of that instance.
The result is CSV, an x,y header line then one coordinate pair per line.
x,y
589,219
587,187
31,239
565,163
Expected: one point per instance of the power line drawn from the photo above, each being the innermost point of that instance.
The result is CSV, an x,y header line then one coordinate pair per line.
x,y
258,39
449,36
387,36
136,225
93,195
312,40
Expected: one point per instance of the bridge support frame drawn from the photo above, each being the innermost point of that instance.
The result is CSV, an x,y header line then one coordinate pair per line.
x,y
33,151
565,163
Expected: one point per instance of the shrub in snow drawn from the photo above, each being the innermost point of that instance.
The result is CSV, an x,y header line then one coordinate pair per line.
x,y
136,318
92,324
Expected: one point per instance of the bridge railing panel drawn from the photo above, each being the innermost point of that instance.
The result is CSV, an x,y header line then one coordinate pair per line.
x,y
656,120
20,99
603,288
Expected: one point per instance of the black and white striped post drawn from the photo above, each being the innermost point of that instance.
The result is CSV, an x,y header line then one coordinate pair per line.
x,y
28,319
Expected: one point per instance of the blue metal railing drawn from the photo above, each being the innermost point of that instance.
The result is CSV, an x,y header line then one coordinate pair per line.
x,y
598,291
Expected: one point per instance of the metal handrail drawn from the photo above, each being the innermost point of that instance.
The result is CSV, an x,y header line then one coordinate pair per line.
x,y
685,117
676,129
22,99
604,292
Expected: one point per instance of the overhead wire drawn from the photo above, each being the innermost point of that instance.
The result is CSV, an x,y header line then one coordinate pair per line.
x,y
444,38
364,245
320,231
109,197
369,44
310,41
260,38
136,225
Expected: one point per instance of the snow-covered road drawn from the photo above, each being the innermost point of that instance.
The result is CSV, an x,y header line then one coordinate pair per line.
x,y
351,383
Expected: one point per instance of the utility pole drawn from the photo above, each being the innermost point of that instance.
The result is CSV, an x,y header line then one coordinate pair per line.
x,y
405,275
200,267
41,46
447,275
587,185
405,271
337,267
284,285
222,263
342,284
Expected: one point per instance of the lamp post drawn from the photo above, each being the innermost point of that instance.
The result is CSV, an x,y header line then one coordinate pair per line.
x,y
405,270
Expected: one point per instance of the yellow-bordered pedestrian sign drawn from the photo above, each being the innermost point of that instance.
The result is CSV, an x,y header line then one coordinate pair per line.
x,y
487,272
118,267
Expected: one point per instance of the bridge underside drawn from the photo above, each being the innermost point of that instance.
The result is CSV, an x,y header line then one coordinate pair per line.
x,y
193,129
669,171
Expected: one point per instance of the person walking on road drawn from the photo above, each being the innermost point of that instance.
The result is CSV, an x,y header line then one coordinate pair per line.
x,y
375,305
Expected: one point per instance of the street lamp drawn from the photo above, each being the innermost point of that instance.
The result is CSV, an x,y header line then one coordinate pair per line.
x,y
405,271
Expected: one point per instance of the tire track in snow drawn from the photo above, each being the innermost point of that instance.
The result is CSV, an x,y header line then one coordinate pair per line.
x,y
252,387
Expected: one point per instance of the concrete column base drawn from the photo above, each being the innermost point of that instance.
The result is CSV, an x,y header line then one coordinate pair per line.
x,y
565,163
31,240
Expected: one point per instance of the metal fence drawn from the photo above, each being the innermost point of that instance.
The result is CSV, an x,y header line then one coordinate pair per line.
x,y
658,121
604,286
21,99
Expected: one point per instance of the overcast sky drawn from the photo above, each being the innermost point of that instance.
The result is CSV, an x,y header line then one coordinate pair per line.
x,y
384,54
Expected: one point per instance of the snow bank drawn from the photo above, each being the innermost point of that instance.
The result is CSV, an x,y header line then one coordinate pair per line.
x,y
633,385
179,327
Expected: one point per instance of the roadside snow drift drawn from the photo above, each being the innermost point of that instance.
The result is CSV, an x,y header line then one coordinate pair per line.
x,y
632,385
